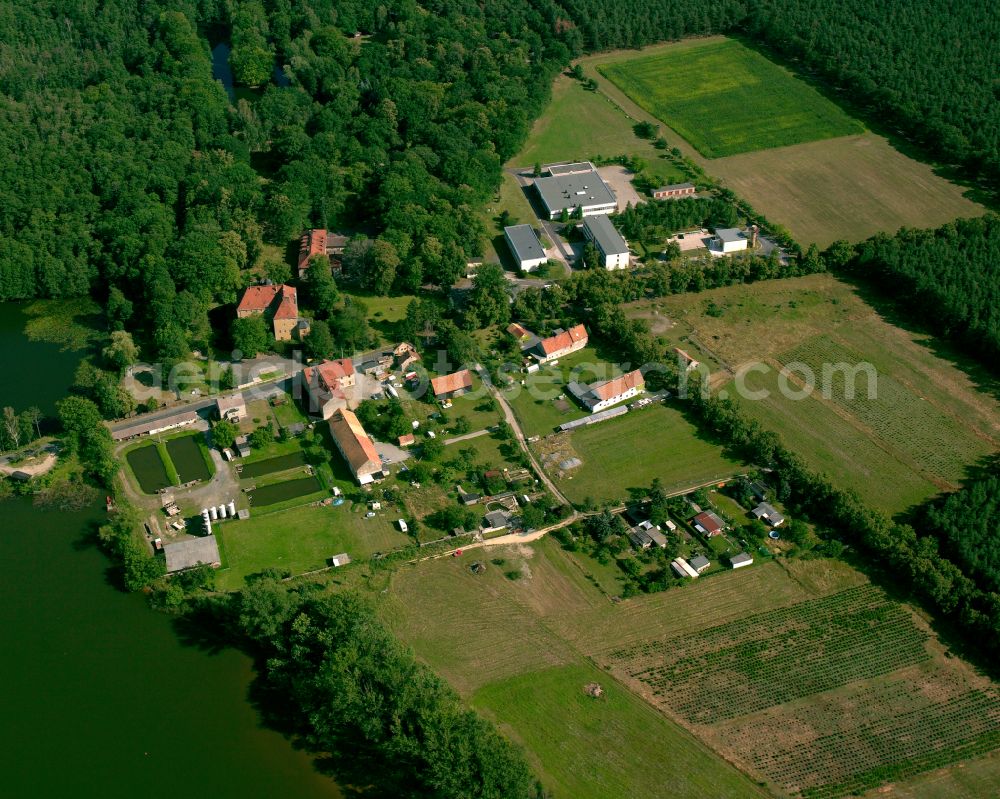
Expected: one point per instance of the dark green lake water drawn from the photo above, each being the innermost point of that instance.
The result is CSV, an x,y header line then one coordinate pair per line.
x,y
100,698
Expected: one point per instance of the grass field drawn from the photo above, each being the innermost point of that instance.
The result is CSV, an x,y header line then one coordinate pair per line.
x,y
631,451
300,540
800,673
558,134
589,748
930,419
726,99
847,188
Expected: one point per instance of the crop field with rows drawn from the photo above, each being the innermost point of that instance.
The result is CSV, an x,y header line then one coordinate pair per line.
x,y
847,689
934,441
754,663
916,720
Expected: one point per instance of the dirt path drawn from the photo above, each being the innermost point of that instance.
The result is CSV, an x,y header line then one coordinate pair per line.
x,y
508,413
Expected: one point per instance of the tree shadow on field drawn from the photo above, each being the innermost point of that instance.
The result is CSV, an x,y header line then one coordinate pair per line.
x,y
893,313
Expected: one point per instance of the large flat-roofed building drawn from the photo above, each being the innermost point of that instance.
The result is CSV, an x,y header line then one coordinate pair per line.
x,y
570,186
192,552
356,447
609,242
525,247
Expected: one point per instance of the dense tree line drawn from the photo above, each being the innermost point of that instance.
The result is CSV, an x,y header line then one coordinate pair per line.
x,y
926,67
966,523
948,278
354,691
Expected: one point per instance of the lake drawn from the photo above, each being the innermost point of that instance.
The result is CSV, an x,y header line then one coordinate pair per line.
x,y
100,696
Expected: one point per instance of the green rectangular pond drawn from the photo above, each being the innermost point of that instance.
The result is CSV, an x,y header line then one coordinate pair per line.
x,y
278,464
148,468
188,460
279,492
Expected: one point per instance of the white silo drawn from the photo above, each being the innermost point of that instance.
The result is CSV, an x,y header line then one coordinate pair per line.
x,y
222,511
232,508
214,513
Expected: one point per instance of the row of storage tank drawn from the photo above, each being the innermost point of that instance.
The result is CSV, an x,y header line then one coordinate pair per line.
x,y
217,512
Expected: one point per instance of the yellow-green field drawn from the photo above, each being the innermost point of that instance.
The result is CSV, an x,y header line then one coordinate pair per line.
x,y
783,669
928,421
847,187
726,99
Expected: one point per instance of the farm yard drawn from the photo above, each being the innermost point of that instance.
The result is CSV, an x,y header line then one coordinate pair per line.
x,y
803,674
895,450
724,98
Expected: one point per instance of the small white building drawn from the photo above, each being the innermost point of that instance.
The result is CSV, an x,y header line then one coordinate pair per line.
x,y
525,247
741,560
730,239
609,242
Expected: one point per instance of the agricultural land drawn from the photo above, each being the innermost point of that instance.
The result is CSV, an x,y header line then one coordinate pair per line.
x,y
928,421
848,185
726,99
794,652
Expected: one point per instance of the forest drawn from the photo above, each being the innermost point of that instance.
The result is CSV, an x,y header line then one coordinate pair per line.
x,y
339,680
128,172
965,524
948,278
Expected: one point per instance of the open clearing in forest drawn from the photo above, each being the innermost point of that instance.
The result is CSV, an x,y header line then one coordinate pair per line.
x,y
845,187
927,423
579,125
726,99
783,669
